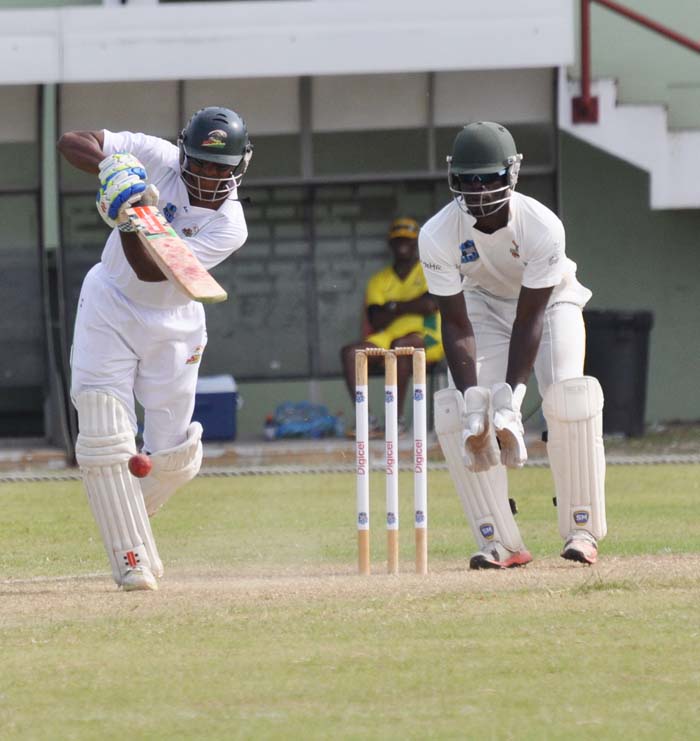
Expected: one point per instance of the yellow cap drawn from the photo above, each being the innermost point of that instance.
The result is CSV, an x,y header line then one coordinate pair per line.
x,y
404,227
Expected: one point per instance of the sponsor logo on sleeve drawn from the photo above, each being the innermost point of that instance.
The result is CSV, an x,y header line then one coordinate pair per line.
x,y
196,355
169,212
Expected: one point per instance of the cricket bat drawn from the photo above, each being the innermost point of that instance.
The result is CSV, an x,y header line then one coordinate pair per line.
x,y
173,257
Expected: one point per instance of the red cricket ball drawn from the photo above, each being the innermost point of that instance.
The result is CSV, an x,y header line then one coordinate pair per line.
x,y
140,465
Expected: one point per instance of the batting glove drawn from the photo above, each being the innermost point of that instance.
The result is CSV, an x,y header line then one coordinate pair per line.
x,y
509,423
121,190
480,449
120,162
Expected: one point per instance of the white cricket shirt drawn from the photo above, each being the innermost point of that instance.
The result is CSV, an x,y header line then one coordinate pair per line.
x,y
211,235
529,251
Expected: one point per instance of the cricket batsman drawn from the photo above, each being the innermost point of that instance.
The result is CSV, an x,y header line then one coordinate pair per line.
x,y
136,335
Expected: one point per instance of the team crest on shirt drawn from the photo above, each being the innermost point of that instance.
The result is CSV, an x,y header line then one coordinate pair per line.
x,y
169,212
469,251
190,231
196,355
515,249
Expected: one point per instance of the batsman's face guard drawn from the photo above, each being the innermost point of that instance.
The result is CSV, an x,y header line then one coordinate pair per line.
x,y
214,153
483,169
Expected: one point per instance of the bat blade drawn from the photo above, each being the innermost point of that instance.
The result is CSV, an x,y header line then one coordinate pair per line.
x,y
173,257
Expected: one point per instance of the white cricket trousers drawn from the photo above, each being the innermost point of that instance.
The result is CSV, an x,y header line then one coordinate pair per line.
x,y
130,350
561,352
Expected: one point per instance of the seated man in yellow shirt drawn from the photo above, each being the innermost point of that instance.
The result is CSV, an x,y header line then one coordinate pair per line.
x,y
399,311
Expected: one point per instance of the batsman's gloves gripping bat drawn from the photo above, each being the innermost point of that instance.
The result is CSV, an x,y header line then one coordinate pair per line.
x,y
508,423
120,193
120,162
480,449
122,183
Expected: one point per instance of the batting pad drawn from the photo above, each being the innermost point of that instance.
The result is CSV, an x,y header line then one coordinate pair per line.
x,y
574,413
104,446
172,468
484,496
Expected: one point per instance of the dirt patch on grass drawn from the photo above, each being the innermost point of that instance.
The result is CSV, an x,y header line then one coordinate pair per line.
x,y
92,596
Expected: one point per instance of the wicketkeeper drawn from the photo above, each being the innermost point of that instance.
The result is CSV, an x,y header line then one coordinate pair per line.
x,y
510,301
136,335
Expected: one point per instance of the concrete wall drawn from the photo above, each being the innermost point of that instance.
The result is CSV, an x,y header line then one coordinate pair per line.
x,y
632,258
269,39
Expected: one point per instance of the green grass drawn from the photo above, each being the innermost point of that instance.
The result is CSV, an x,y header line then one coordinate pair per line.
x,y
262,630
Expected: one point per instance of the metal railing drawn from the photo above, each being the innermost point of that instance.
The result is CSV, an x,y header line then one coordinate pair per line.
x,y
585,106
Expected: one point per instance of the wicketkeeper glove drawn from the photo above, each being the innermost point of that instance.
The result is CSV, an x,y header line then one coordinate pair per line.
x,y
480,449
508,423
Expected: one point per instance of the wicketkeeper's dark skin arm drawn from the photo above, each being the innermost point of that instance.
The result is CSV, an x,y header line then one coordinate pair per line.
x,y
83,150
527,333
458,340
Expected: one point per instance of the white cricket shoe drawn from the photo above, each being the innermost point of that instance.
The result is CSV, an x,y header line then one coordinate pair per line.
x,y
497,556
580,546
140,577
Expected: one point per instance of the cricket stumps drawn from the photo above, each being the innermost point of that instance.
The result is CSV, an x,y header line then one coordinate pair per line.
x,y
391,445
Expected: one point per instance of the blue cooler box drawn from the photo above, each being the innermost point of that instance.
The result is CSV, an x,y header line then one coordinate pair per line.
x,y
215,406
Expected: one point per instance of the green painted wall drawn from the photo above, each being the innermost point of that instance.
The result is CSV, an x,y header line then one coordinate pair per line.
x,y
649,68
633,258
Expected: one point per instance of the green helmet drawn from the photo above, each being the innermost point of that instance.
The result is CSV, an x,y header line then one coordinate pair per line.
x,y
217,135
483,153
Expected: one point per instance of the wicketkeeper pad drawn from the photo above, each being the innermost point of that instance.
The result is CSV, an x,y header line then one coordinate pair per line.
x,y
574,413
172,468
484,496
104,446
